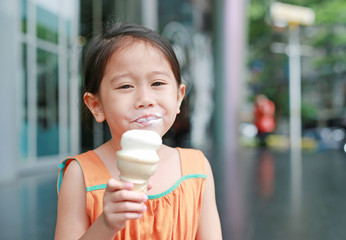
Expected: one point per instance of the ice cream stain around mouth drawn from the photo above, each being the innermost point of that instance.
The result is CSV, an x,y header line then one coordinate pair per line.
x,y
151,121
137,161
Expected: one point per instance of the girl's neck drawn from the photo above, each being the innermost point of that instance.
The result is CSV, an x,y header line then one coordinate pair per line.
x,y
115,145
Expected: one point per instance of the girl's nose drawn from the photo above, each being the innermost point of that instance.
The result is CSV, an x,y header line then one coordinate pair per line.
x,y
144,98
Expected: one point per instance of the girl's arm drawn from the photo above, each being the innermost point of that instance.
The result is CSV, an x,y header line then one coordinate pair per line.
x,y
209,225
72,220
119,205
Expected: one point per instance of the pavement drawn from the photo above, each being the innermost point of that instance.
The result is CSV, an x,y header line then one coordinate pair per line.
x,y
261,195
278,195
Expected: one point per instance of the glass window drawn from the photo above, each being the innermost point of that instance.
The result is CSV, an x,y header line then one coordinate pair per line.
x,y
24,101
48,30
68,104
47,103
24,16
47,24
68,29
67,17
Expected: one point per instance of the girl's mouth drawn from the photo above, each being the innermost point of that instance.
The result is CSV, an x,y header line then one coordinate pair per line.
x,y
151,120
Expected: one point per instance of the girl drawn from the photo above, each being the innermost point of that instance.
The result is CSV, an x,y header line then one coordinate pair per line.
x,y
132,81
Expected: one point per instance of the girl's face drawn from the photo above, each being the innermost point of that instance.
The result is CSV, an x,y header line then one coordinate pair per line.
x,y
138,91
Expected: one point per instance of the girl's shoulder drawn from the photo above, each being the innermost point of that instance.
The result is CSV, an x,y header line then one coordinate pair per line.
x,y
91,166
192,161
85,160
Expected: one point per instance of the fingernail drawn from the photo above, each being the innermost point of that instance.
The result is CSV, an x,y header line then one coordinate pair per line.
x,y
128,185
144,208
145,198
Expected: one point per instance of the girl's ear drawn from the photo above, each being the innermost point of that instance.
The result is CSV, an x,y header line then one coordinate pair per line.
x,y
181,95
93,103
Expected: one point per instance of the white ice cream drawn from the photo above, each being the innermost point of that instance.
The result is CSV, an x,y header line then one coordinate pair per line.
x,y
152,120
137,160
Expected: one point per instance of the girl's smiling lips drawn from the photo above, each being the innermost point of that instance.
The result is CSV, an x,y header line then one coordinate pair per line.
x,y
149,120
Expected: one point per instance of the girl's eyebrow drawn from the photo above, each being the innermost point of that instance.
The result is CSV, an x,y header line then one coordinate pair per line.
x,y
154,73
116,77
119,76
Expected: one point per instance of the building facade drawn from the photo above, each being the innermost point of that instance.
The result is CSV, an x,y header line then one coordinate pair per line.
x,y
40,81
42,50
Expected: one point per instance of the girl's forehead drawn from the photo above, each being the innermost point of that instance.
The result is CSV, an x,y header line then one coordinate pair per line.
x,y
135,48
129,50
129,43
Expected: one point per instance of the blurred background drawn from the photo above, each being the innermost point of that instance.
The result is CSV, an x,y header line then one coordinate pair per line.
x,y
279,164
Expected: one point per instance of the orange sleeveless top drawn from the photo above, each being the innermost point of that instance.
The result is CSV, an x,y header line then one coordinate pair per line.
x,y
172,214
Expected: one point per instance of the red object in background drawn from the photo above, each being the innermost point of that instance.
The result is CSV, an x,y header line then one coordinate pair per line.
x,y
264,114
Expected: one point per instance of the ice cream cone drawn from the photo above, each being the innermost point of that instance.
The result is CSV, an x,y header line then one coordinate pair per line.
x,y
137,160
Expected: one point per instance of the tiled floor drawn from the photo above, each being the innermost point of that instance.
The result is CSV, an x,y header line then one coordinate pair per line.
x,y
260,198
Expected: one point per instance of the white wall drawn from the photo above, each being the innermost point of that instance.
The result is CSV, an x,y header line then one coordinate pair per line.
x,y
9,76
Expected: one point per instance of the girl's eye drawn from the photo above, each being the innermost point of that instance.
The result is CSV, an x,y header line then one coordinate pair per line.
x,y
157,84
125,87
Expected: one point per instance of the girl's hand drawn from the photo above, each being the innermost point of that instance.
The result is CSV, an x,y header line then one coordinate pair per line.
x,y
150,185
121,204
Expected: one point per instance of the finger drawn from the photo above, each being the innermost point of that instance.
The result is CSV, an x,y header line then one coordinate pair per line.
x,y
118,220
125,195
115,185
124,207
128,216
150,185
